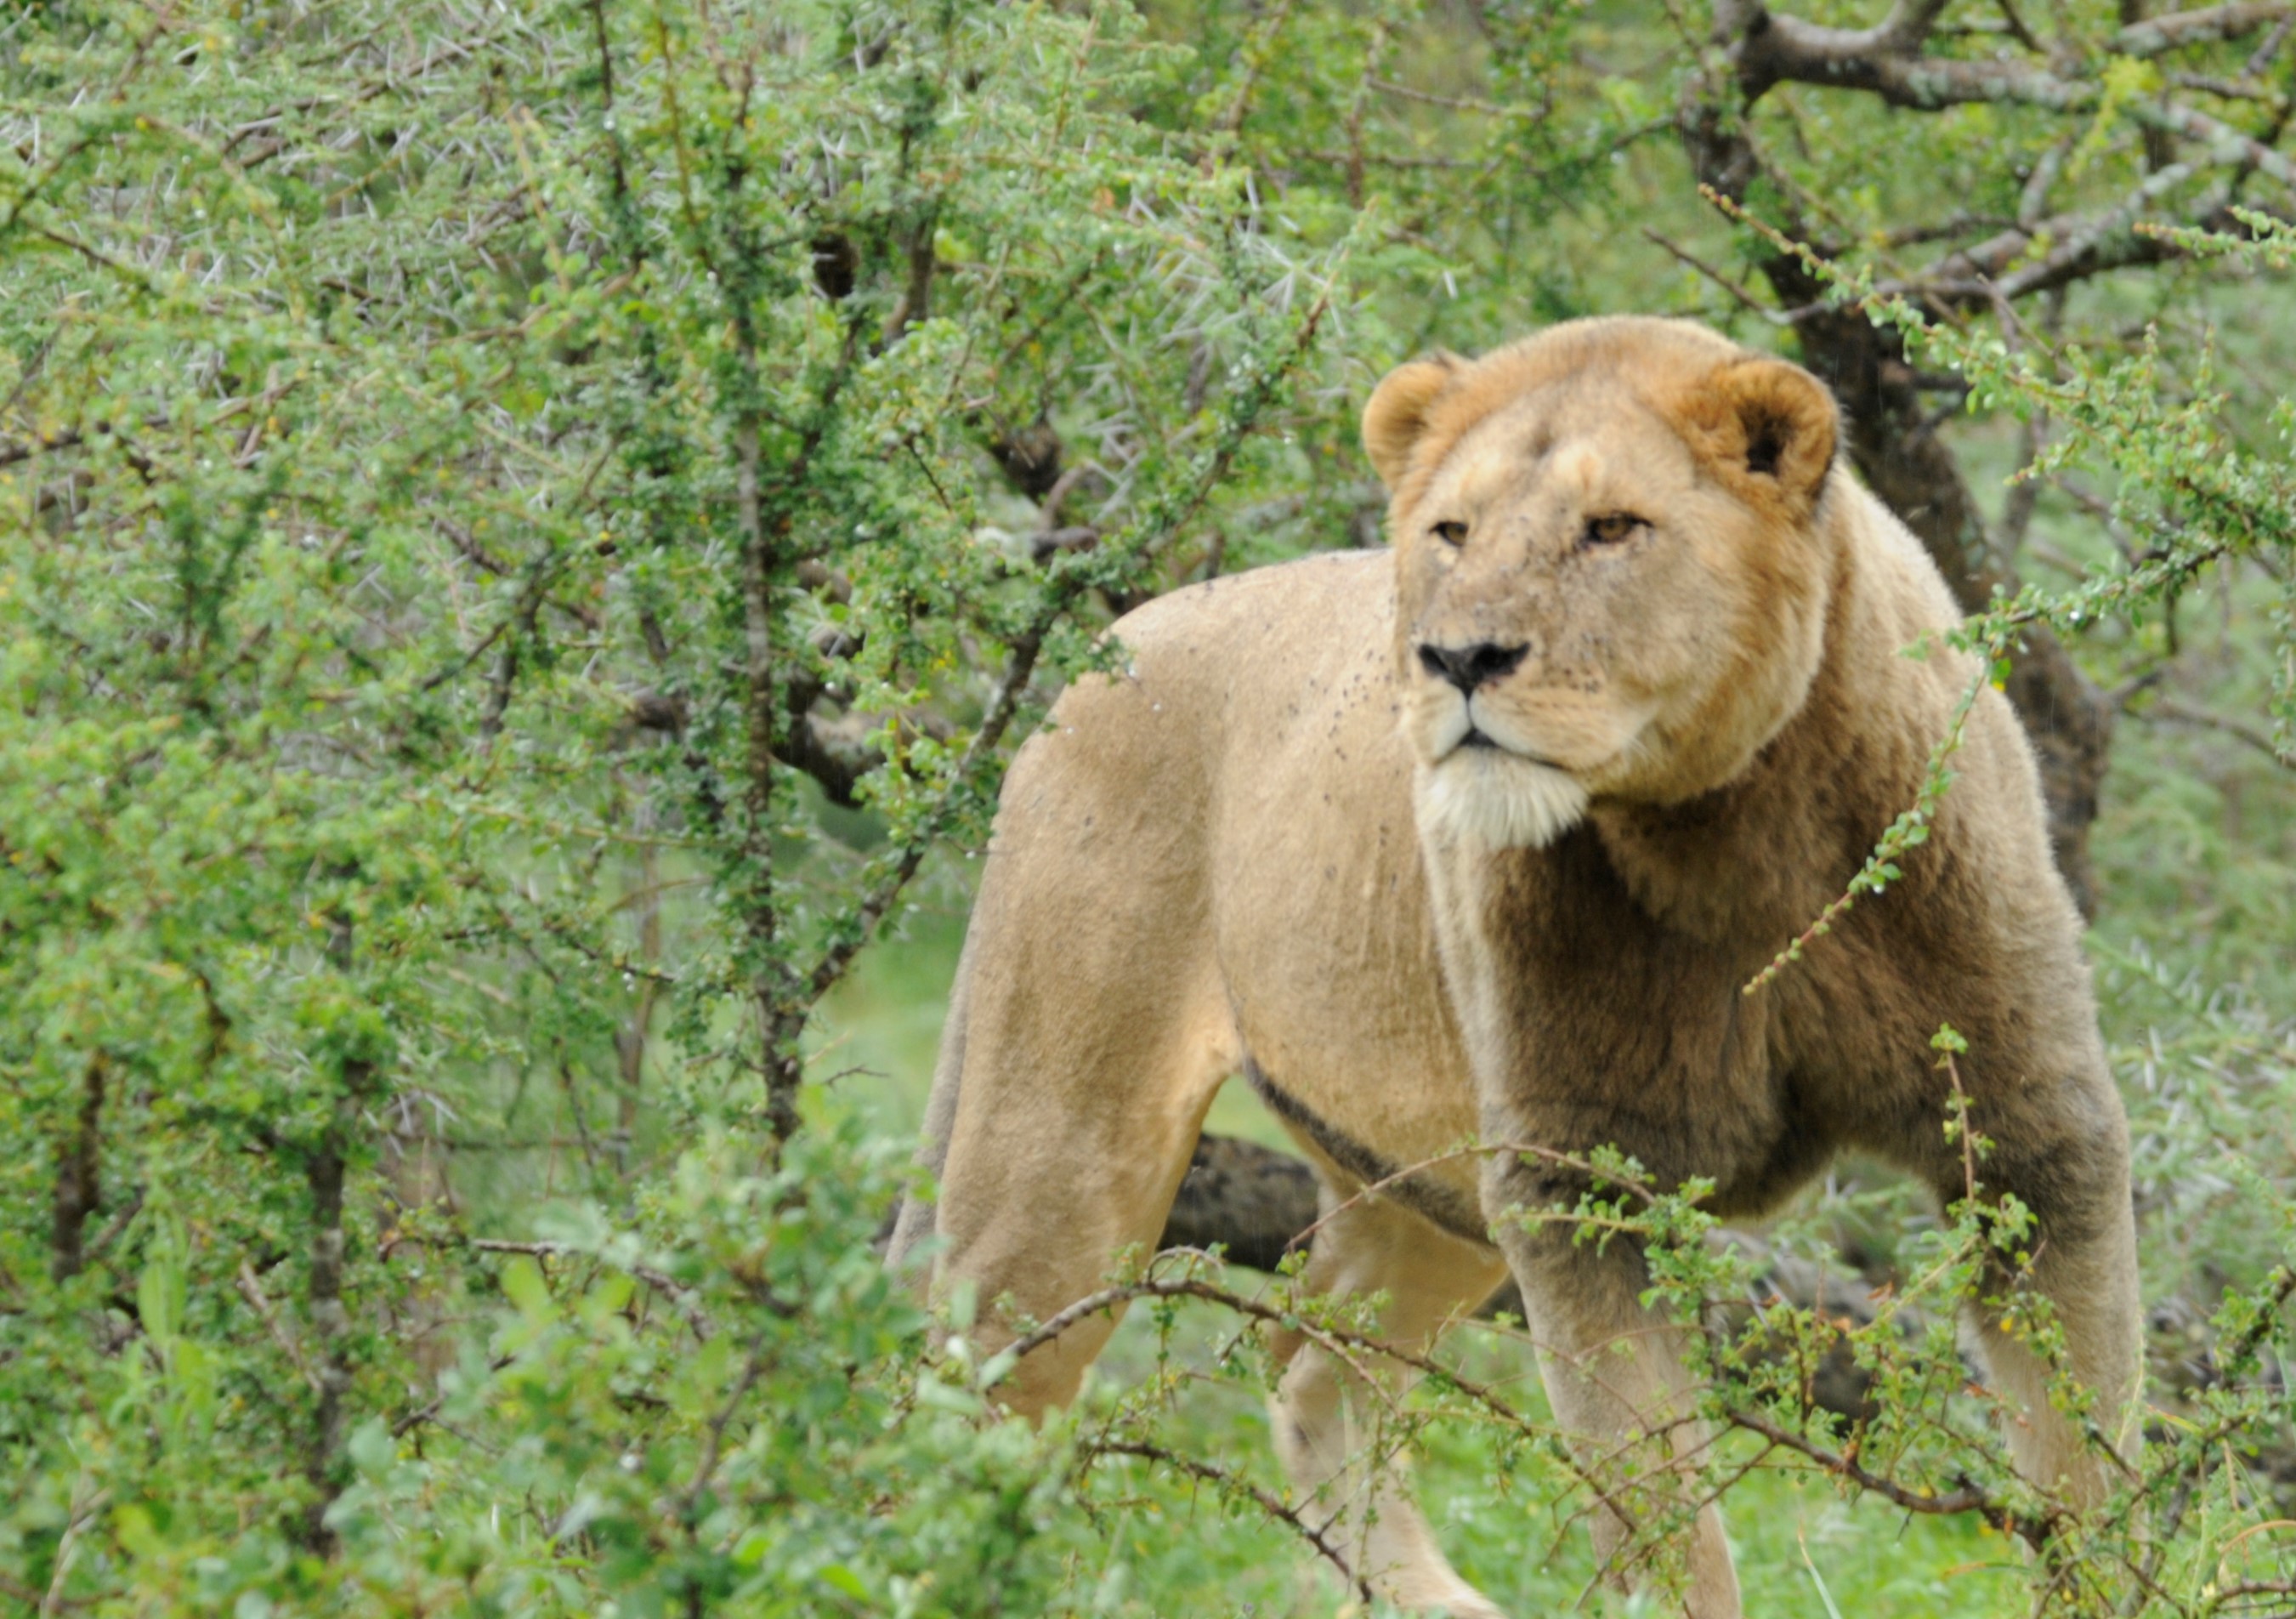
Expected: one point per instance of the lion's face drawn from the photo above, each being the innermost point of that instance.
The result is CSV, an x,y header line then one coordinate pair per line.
x,y
1611,575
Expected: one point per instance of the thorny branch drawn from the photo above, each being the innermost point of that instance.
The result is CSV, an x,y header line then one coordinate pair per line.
x,y
1059,597
1231,1484
2036,1526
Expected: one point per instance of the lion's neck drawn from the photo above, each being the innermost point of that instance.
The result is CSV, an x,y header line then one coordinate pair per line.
x,y
1757,859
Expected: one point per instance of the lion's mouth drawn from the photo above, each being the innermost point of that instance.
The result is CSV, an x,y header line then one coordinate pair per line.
x,y
1477,737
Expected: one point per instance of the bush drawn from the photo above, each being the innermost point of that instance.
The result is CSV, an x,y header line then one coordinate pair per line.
x,y
526,530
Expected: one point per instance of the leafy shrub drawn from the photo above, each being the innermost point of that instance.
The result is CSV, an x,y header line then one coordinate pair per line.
x,y
524,528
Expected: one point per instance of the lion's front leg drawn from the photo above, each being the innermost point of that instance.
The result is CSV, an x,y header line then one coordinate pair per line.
x,y
2069,1163
1615,1377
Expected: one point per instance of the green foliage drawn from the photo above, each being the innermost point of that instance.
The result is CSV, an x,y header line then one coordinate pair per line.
x,y
450,453
735,1436
522,530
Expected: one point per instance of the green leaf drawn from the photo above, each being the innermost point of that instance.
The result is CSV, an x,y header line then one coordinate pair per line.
x,y
523,1284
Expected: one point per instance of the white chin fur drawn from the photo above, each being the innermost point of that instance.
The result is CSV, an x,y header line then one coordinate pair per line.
x,y
1497,799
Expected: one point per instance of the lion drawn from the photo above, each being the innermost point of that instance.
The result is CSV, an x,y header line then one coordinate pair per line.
x,y
1480,839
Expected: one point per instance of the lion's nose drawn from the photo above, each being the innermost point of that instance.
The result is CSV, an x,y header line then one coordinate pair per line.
x,y
1469,666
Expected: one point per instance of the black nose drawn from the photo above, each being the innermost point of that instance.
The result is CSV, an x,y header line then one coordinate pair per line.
x,y
1469,666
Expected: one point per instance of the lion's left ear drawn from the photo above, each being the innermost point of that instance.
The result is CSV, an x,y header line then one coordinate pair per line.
x,y
1767,425
1397,413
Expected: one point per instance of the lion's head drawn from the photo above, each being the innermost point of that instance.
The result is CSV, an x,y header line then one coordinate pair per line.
x,y
1611,566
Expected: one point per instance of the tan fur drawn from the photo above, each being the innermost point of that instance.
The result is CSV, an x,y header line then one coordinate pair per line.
x,y
1264,847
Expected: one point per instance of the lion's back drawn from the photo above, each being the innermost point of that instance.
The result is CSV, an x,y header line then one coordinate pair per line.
x,y
1216,686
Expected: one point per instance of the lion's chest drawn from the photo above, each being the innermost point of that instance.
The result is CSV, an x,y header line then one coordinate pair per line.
x,y
1590,1021
1378,1057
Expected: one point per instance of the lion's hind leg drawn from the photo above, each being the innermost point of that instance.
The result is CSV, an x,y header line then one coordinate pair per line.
x,y
1090,1036
1334,1415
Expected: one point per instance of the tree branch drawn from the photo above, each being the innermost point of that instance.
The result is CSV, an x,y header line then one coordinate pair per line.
x,y
1769,48
80,1189
2207,25
1844,1465
1233,1484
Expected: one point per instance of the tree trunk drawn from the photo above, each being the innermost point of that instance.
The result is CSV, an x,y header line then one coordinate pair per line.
x,y
1247,1198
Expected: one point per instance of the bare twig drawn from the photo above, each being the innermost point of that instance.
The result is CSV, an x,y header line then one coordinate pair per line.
x,y
1736,290
2205,25
1255,61
1341,1343
705,1468
251,1290
2178,713
1235,1484
1456,103
1951,1503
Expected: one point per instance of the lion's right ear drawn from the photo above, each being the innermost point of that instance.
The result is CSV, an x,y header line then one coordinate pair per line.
x,y
1397,413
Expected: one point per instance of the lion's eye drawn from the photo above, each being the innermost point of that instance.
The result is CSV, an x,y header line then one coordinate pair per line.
x,y
1611,529
1450,534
